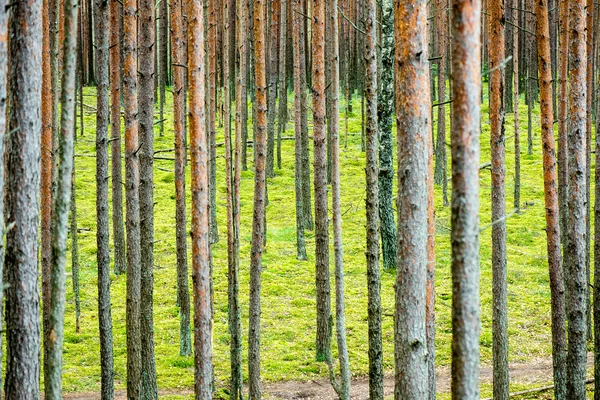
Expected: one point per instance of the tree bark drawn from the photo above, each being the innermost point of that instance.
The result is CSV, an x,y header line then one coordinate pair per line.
x,y
440,154
563,98
23,177
274,10
61,203
212,110
146,73
102,218
413,110
298,118
576,226
258,216
200,205
283,100
163,59
179,118
372,206
497,138
385,112
517,189
3,101
115,124
323,337
557,288
132,184
466,116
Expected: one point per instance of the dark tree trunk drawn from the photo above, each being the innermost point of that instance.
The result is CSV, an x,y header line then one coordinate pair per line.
x,y
62,198
440,174
466,89
115,133
163,59
517,189
75,248
413,111
306,183
509,14
588,152
179,97
576,226
146,74
200,208
298,119
23,177
557,283
3,102
372,207
258,216
283,104
385,112
132,184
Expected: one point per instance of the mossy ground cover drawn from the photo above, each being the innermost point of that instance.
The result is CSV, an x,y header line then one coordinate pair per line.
x,y
288,291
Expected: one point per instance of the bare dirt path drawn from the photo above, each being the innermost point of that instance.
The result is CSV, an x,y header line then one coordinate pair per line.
x,y
538,372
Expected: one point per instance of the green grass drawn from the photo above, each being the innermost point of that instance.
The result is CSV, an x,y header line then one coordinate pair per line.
x,y
288,294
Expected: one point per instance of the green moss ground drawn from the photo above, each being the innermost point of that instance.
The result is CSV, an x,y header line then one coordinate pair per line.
x,y
288,294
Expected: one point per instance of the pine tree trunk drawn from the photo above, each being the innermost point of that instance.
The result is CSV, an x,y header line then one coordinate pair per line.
x,y
115,125
576,226
385,112
282,115
517,138
274,10
497,137
258,217
235,324
75,248
146,37
372,207
3,102
413,110
61,203
563,96
163,59
557,288
298,118
323,337
132,184
466,89
211,117
200,204
306,183
46,177
343,388
179,98
588,153
23,177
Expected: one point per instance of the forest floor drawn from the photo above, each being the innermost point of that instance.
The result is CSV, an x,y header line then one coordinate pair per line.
x,y
534,374
288,292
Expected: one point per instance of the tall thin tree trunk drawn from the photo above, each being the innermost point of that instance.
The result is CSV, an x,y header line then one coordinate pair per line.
x,y
563,99
132,184
61,203
323,336
200,204
163,58
235,324
413,110
588,152
298,110
557,288
306,183
372,207
343,387
75,248
102,218
440,154
385,112
211,117
576,249
466,89
23,177
258,216
499,286
282,115
115,133
517,189
146,73
3,114
273,41
179,97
